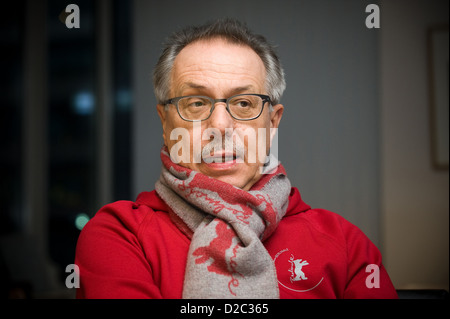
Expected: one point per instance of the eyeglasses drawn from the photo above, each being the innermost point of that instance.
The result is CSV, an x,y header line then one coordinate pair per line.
x,y
243,107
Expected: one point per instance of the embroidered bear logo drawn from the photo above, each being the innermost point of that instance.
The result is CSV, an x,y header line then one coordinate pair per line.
x,y
296,269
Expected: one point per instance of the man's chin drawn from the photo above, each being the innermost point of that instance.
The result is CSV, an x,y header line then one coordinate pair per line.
x,y
226,170
236,174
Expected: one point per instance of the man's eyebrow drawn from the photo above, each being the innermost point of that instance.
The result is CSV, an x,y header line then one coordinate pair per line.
x,y
192,85
236,90
240,89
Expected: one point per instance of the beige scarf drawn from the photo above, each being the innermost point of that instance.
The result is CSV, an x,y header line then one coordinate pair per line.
x,y
227,225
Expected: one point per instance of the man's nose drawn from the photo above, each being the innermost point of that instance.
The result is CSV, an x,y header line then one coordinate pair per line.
x,y
220,118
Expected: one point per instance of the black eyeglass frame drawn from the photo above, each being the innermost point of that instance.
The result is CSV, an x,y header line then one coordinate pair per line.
x,y
174,101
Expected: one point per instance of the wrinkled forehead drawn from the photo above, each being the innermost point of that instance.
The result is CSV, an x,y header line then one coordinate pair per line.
x,y
218,64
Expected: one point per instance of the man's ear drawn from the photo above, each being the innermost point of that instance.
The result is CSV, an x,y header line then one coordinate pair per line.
x,y
275,118
162,116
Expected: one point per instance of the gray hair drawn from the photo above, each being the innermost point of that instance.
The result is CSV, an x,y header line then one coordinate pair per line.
x,y
230,30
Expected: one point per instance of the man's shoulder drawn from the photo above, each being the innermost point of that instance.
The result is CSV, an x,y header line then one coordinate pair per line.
x,y
322,217
128,215
118,216
324,222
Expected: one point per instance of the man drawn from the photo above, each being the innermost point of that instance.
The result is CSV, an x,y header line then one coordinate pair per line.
x,y
223,221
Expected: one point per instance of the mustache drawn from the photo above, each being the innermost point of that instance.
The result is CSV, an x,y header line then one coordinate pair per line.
x,y
224,145
243,145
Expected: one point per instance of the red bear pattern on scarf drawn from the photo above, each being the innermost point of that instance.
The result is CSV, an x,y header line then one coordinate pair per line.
x,y
217,250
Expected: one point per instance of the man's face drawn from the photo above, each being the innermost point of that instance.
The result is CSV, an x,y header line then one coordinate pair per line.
x,y
218,69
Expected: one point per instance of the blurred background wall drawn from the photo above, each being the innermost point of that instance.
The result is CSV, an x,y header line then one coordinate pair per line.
x,y
79,127
414,193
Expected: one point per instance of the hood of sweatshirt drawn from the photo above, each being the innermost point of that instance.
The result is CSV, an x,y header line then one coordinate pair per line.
x,y
296,203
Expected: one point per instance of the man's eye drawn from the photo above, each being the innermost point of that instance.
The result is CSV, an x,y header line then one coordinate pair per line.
x,y
244,104
197,104
194,103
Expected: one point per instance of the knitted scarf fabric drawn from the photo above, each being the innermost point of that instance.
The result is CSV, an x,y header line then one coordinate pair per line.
x,y
227,225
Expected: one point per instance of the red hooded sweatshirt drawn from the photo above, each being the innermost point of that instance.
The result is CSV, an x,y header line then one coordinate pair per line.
x,y
133,250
